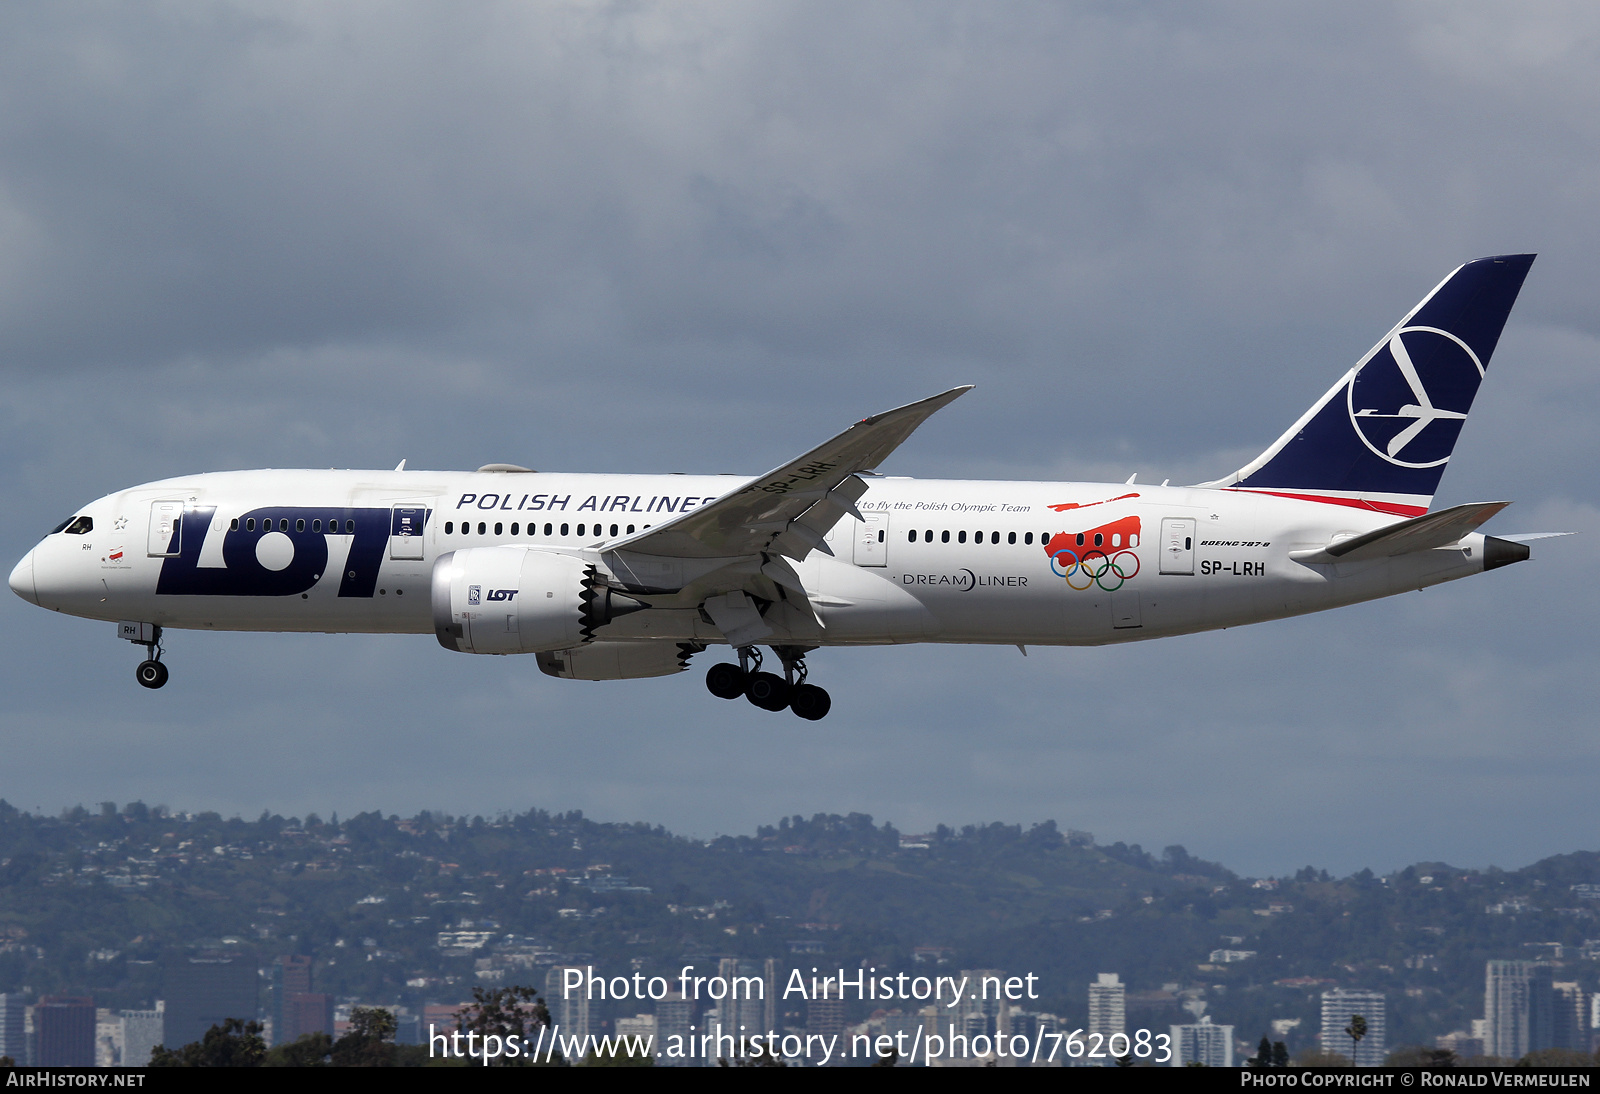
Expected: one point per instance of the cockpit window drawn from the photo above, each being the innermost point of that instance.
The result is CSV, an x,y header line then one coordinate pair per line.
x,y
74,526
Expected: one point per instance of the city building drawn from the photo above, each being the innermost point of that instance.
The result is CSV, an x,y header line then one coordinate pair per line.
x,y
674,1017
569,1009
305,1013
291,975
13,1027
1342,1004
142,1031
1569,1014
1108,1006
202,992
65,1025
1518,1008
1202,1043
107,1038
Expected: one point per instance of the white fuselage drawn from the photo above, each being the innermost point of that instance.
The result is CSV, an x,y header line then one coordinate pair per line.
x,y
933,561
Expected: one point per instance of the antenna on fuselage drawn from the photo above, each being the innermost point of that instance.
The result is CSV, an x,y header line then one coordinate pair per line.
x,y
401,466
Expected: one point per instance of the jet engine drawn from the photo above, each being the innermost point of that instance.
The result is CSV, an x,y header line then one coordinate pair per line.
x,y
517,600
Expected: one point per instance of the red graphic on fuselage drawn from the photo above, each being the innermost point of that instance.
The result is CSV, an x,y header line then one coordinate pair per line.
x,y
1101,555
1085,505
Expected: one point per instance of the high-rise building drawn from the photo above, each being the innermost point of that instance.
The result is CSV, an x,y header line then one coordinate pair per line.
x,y
1203,1043
1569,1026
142,1030
306,1012
825,1012
65,1027
202,992
1108,1007
572,1012
13,1027
744,1010
1518,1008
1343,1004
291,975
674,1016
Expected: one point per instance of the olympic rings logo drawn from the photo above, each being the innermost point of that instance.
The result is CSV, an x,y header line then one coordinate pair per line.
x,y
1094,568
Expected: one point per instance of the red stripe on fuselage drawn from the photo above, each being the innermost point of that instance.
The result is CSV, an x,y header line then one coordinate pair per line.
x,y
1354,503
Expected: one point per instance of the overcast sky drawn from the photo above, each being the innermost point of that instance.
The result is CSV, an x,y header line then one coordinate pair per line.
x,y
702,237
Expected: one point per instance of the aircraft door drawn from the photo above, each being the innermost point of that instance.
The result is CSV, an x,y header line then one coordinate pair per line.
x,y
872,540
1177,545
166,529
405,531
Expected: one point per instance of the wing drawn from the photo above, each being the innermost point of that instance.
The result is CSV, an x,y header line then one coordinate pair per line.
x,y
788,510
729,559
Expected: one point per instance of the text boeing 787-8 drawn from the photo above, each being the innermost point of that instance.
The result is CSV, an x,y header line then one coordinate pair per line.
x,y
609,577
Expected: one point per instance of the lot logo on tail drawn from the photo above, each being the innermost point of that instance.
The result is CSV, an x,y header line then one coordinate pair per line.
x,y
1401,418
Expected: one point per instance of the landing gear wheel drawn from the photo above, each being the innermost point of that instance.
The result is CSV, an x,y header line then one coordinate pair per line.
x,y
767,691
726,681
152,674
810,702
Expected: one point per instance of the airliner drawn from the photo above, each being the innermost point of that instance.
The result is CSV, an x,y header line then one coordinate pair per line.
x,y
613,577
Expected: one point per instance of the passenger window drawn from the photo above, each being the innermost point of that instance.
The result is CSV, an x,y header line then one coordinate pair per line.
x,y
514,526
250,524
1080,539
630,529
961,537
913,538
316,526
994,537
233,525
499,529
1116,539
564,528
880,535
1011,537
944,536
548,530
300,524
449,527
581,527
1028,538
613,529
1133,541
349,527
483,529
1099,540
927,537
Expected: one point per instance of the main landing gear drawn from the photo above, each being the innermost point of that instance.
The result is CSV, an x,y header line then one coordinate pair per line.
x,y
767,690
151,673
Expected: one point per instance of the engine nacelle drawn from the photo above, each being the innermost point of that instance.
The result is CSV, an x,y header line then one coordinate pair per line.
x,y
517,600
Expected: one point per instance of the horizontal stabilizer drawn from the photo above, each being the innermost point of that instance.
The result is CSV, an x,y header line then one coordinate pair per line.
x,y
1422,533
1529,537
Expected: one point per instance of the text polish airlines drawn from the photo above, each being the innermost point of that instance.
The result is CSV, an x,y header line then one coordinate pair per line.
x,y
611,577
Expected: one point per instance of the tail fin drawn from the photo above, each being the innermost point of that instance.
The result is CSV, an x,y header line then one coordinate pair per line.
x,y
1381,437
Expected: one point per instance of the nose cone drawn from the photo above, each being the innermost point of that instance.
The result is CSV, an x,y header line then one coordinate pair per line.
x,y
22,579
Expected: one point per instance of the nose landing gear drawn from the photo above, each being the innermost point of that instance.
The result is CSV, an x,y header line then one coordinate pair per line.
x,y
767,690
151,673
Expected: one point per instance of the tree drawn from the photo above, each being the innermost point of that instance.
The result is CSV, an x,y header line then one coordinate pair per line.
x,y
235,1043
501,1014
370,1040
1263,1056
309,1050
1356,1030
